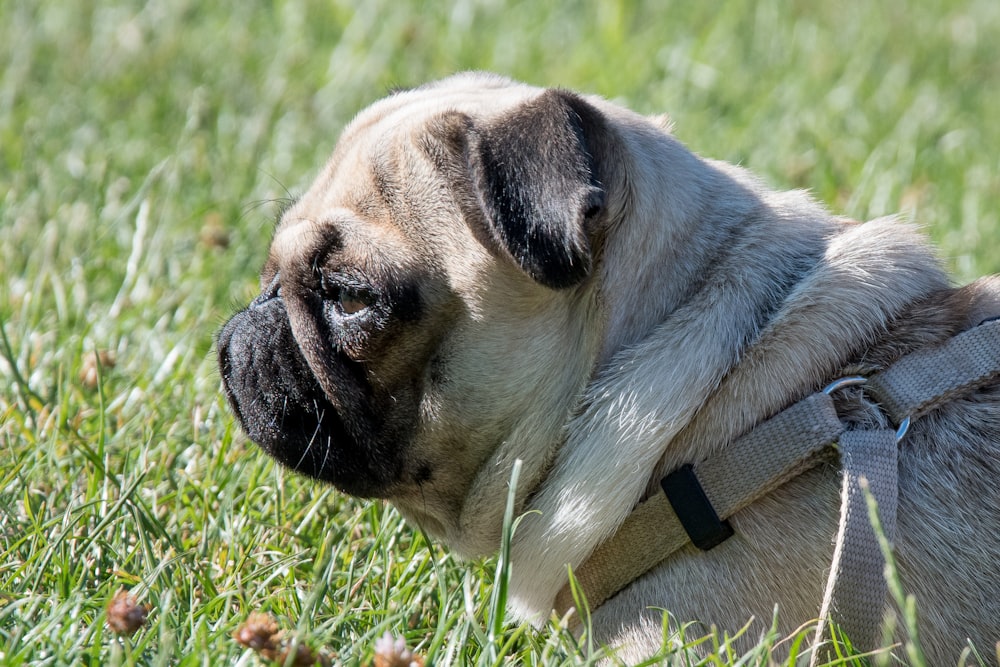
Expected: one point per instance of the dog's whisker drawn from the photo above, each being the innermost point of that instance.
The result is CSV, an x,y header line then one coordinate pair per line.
x,y
312,438
326,452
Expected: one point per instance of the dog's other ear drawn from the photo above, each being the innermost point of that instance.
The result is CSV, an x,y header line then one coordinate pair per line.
x,y
538,185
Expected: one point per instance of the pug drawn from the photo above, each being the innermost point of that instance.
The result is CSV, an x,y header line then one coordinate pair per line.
x,y
487,272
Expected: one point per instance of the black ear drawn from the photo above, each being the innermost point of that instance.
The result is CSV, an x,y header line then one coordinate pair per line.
x,y
537,183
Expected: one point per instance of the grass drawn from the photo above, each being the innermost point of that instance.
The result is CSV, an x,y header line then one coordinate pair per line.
x,y
144,148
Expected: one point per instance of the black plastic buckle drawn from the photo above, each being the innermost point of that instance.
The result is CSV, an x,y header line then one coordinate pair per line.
x,y
694,509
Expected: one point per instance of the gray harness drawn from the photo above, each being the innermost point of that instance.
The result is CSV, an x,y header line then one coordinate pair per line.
x,y
698,498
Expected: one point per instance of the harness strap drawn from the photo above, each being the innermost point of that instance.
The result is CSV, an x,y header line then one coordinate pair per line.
x,y
762,460
930,376
856,589
787,445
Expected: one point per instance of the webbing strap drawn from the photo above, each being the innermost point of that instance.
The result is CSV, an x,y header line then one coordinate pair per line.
x,y
650,533
771,454
774,452
933,375
856,589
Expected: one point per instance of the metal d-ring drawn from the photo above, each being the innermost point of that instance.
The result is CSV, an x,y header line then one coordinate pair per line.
x,y
904,426
849,381
854,381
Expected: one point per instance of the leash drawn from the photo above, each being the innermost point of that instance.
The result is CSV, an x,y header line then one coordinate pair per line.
x,y
698,498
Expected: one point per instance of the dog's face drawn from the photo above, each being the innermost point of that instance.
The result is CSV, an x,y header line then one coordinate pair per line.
x,y
430,298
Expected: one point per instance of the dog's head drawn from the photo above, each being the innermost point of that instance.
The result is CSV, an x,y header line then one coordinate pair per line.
x,y
428,305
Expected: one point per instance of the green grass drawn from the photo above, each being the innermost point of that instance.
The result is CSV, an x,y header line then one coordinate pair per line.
x,y
144,149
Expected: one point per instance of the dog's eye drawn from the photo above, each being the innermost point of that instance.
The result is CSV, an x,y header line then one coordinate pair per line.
x,y
352,301
347,299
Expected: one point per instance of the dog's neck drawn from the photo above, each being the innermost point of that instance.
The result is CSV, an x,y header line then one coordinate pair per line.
x,y
689,216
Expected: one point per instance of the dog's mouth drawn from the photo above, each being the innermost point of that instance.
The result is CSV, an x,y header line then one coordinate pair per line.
x,y
282,407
